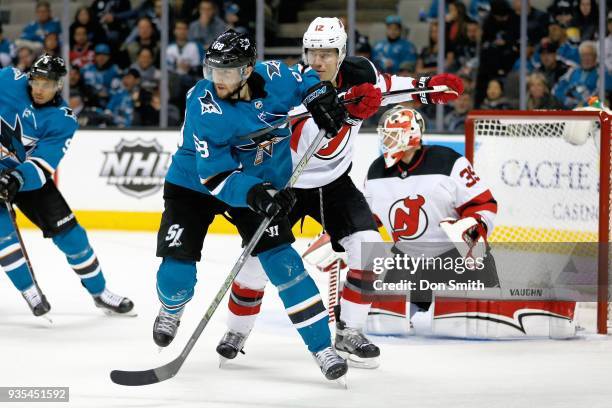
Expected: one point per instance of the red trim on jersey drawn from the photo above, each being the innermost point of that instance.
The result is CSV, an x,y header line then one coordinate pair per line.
x,y
482,202
296,133
377,220
418,159
387,78
333,143
339,79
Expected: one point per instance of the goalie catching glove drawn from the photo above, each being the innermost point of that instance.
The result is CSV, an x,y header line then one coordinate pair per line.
x,y
469,236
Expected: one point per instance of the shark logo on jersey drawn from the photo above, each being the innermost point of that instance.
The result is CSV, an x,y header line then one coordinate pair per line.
x,y
273,68
208,104
18,74
68,112
266,147
11,139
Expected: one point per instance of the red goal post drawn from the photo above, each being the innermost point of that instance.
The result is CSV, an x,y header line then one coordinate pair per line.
x,y
551,135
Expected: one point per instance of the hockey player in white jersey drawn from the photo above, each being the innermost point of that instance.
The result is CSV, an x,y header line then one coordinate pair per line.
x,y
326,193
430,198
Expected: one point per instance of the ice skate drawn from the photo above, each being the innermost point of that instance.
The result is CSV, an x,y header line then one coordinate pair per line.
x,y
165,326
113,304
230,344
355,347
37,302
332,365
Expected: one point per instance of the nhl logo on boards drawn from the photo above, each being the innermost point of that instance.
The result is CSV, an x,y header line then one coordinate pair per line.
x,y
136,167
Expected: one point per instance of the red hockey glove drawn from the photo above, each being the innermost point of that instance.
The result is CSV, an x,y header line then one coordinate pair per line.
x,y
450,80
369,104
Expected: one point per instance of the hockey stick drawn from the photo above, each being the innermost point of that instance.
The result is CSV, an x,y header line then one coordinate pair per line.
x,y
390,97
170,369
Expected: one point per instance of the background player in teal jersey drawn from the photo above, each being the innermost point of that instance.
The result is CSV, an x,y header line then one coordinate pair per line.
x,y
216,171
36,127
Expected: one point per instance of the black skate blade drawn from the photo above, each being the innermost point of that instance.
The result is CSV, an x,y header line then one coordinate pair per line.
x,y
146,377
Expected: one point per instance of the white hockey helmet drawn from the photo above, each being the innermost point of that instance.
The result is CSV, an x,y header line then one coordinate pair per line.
x,y
400,130
325,32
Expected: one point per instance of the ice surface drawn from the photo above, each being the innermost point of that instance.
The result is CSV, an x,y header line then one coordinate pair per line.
x,y
83,346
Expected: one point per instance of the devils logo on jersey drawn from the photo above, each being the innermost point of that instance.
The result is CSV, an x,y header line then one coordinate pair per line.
x,y
331,149
408,218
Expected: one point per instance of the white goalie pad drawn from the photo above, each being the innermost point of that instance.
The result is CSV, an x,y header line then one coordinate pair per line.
x,y
321,254
461,232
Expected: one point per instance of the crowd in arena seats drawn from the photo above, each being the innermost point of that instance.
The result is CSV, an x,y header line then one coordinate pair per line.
x,y
115,54
482,47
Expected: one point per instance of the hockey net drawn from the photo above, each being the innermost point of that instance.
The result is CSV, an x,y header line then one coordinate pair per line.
x,y
550,173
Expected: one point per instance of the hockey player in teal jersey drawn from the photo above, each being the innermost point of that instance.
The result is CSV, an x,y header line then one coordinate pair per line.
x,y
36,127
215,171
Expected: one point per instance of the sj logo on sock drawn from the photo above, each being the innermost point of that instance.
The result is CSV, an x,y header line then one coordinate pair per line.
x,y
174,235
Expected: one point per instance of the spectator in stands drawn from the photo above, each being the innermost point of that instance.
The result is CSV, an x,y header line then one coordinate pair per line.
x,y
479,9
608,44
500,48
390,53
550,66
455,120
121,105
466,54
208,25
566,51
586,20
82,18
102,75
538,92
495,99
25,59
148,108
232,19
81,52
107,13
184,57
456,25
537,20
8,51
147,38
427,62
36,31
576,87
51,45
184,61
152,10
149,75
563,11
77,84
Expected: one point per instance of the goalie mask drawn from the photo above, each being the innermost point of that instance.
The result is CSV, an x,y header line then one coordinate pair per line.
x,y
400,130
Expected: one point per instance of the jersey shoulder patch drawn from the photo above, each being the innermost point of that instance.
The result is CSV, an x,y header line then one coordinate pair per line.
x,y
357,70
208,104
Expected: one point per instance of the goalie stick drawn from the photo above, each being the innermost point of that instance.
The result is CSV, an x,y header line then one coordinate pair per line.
x,y
388,98
169,370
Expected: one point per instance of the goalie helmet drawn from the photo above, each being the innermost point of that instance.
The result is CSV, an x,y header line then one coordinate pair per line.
x,y
400,130
325,32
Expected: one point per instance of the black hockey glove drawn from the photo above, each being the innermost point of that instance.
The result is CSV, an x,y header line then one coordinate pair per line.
x,y
11,181
265,200
326,110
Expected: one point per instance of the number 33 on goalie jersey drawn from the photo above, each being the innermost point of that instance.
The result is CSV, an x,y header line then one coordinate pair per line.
x,y
411,199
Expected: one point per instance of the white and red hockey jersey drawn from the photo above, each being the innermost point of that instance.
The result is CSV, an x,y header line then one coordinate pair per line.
x,y
411,199
336,155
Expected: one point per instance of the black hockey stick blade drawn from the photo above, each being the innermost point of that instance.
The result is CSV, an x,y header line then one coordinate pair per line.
x,y
147,377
